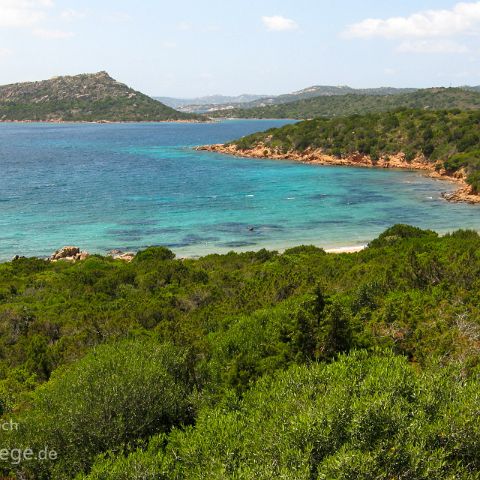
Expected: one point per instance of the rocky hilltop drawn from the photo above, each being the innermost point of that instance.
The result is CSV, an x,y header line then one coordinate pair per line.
x,y
87,97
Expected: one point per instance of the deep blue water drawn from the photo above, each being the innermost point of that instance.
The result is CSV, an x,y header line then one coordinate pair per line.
x,y
129,186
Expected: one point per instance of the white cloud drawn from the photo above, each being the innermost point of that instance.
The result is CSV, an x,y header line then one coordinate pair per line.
x,y
31,14
211,28
168,45
52,34
23,13
431,46
390,71
118,17
184,26
463,18
278,23
72,14
5,52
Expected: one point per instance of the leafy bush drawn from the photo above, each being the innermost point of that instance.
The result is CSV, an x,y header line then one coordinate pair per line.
x,y
154,254
115,396
400,232
364,416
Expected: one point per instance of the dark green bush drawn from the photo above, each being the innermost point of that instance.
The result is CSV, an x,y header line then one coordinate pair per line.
x,y
154,254
400,232
362,417
116,396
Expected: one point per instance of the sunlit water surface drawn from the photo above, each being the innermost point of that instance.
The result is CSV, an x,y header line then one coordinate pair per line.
x,y
128,186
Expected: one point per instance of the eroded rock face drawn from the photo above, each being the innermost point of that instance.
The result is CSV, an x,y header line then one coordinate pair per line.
x,y
69,254
83,255
119,255
465,195
65,252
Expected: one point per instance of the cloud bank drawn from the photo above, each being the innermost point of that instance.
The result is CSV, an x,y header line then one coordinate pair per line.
x,y
424,32
22,13
32,15
463,18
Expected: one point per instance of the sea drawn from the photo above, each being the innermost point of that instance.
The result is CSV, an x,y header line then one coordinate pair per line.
x,y
130,186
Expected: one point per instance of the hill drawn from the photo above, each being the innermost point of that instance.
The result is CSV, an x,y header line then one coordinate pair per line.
x,y
443,142
356,366
350,104
87,97
475,88
209,100
222,103
326,91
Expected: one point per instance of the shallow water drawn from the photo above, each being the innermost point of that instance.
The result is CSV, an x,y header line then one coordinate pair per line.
x,y
129,186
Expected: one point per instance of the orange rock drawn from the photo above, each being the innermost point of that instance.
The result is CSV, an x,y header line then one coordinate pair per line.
x,y
317,156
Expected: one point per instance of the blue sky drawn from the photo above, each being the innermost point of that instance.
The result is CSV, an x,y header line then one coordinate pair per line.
x,y
188,48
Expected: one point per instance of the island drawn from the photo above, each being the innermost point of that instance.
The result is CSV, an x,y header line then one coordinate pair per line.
x,y
83,98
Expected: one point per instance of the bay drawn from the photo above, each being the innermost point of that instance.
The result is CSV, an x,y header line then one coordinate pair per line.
x,y
129,186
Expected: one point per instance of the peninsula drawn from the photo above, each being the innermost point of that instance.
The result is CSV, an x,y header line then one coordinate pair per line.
x,y
445,144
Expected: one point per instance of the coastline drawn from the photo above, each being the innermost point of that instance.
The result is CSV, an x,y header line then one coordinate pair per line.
x,y
129,256
104,122
343,247
463,193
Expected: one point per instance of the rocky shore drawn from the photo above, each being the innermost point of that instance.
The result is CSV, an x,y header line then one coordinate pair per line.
x,y
316,156
74,254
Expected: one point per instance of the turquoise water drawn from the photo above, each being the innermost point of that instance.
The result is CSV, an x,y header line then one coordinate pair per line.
x,y
129,186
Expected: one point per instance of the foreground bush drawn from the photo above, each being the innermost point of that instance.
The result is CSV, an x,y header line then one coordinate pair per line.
x,y
115,396
361,417
77,385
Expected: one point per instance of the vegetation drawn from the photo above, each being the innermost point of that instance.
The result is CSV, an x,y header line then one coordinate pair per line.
x,y
362,417
247,366
326,91
96,97
356,104
450,139
219,102
117,395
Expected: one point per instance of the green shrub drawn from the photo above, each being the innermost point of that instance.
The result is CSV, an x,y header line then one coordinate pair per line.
x,y
363,416
474,180
115,396
154,254
400,232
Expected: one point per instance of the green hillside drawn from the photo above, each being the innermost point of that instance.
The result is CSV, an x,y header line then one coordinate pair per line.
x,y
343,105
87,97
450,139
246,366
324,91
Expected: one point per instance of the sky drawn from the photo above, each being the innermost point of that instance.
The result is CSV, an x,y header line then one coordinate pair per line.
x,y
189,48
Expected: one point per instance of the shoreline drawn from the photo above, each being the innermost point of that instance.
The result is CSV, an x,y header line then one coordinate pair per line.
x,y
128,256
103,122
463,193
